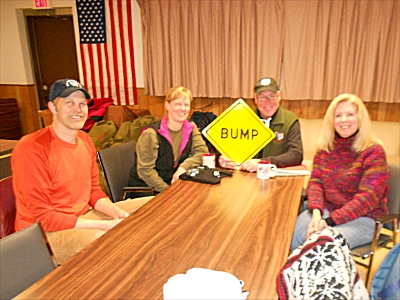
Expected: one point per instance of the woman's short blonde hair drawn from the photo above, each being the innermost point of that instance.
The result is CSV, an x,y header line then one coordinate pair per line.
x,y
364,137
177,92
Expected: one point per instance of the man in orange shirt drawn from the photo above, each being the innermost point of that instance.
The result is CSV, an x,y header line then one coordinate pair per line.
x,y
55,177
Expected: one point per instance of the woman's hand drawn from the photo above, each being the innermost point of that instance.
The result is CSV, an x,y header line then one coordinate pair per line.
x,y
316,223
226,163
176,175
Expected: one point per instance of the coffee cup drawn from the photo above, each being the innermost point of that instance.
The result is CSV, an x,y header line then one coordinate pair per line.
x,y
209,160
265,169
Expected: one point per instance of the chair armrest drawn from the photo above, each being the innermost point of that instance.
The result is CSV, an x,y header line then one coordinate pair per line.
x,y
378,226
387,218
140,189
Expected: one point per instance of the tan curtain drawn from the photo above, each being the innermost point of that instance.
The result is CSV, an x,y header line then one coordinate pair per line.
x,y
333,47
215,48
219,48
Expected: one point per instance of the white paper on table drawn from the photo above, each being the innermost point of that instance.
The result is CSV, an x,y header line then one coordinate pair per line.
x,y
286,172
199,283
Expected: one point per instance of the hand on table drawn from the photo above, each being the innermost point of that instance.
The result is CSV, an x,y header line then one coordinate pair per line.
x,y
250,165
226,163
106,206
176,175
83,223
118,213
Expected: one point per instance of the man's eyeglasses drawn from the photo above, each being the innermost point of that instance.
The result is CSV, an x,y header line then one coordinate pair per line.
x,y
271,97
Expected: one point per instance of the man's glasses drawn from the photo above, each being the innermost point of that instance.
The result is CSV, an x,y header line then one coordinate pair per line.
x,y
271,97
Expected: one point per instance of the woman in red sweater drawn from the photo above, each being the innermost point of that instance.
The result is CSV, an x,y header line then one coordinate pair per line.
x,y
348,188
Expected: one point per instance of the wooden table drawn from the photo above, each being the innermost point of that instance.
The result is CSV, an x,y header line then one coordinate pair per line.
x,y
242,226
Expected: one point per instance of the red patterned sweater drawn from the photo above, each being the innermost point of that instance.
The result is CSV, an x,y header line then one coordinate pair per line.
x,y
350,185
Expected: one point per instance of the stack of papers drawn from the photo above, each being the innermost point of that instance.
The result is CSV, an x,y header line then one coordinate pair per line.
x,y
288,172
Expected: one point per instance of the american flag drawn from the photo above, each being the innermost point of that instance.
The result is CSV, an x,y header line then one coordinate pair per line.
x,y
106,48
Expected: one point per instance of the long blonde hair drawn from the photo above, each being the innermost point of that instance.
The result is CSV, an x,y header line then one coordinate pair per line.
x,y
364,137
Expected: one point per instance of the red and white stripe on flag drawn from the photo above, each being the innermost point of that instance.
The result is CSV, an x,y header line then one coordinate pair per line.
x,y
108,69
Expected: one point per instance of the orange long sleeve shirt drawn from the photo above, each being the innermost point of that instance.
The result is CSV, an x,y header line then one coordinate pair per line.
x,y
54,181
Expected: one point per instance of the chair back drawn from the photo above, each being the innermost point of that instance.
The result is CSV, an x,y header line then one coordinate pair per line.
x,y
116,163
394,189
25,258
46,117
7,207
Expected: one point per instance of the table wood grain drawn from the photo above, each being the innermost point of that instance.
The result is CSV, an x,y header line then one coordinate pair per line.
x,y
242,226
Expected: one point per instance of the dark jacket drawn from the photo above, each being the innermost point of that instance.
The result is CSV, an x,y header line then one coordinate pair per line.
x,y
165,166
286,149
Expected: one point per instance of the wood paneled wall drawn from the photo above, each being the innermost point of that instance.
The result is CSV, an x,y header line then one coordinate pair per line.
x,y
27,104
307,109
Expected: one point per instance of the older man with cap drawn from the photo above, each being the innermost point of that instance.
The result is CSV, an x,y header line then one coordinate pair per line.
x,y
55,177
286,148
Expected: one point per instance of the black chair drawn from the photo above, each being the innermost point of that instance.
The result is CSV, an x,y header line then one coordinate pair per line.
x,y
25,257
391,222
115,163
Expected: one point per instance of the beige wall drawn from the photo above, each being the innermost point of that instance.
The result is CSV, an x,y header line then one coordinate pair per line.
x,y
14,53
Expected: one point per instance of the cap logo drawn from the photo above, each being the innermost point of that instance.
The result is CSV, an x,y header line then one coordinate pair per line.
x,y
71,82
265,81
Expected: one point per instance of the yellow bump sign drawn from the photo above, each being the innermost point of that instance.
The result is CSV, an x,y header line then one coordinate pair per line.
x,y
238,133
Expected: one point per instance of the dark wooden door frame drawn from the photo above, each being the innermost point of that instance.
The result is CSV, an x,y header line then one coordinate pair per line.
x,y
31,17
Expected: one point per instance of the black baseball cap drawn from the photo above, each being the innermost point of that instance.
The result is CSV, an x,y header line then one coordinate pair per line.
x,y
65,87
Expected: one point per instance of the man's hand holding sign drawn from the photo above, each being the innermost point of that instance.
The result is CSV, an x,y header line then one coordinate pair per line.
x,y
238,134
241,134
